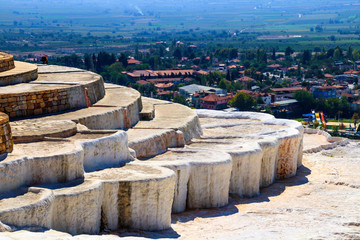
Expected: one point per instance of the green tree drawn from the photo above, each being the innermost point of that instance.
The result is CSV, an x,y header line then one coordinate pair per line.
x,y
306,100
306,57
349,53
180,99
89,63
113,73
123,59
177,54
243,102
137,52
338,54
222,84
273,56
356,55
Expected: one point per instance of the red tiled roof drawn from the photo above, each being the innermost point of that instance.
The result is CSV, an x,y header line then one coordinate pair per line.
x,y
175,72
142,82
215,98
344,94
201,72
290,89
246,92
163,85
328,87
274,66
245,79
328,75
351,71
294,68
163,80
161,92
139,73
255,94
133,61
235,60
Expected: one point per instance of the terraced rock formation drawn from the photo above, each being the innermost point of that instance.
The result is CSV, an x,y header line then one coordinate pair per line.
x,y
128,161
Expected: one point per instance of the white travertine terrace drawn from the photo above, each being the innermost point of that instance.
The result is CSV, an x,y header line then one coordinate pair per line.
x,y
151,142
246,164
127,197
124,162
289,134
203,177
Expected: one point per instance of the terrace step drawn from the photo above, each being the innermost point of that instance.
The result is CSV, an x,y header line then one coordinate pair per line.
x,y
174,116
151,142
51,92
22,73
203,177
128,197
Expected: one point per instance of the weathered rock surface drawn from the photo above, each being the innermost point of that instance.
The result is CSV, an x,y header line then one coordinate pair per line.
x,y
4,228
203,177
41,162
151,142
174,116
246,163
288,134
128,197
320,202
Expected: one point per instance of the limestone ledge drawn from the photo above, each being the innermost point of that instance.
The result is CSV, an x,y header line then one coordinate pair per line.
x,y
127,197
20,169
289,154
203,177
246,163
174,116
128,98
116,110
59,160
17,72
333,141
51,93
105,152
151,142
31,130
148,111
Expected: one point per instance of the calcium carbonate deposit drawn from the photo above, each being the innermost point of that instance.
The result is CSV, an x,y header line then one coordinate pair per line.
x,y
135,167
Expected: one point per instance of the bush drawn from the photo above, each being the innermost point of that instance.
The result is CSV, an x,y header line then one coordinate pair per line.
x,y
243,102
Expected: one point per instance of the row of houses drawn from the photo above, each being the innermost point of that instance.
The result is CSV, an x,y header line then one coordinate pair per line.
x,y
175,73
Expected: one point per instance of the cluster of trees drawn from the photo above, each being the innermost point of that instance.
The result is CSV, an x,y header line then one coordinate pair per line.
x,y
332,107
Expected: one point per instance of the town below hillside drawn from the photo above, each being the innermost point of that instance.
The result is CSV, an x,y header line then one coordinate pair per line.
x,y
286,84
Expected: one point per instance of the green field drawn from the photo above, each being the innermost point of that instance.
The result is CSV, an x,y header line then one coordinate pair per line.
x,y
36,25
